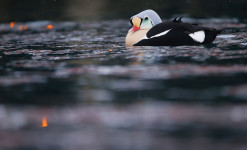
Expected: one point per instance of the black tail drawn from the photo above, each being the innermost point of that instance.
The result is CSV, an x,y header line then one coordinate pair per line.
x,y
211,34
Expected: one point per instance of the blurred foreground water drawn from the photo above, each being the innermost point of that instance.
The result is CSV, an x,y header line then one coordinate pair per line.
x,y
97,94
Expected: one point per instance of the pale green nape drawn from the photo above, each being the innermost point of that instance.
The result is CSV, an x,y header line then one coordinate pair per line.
x,y
146,24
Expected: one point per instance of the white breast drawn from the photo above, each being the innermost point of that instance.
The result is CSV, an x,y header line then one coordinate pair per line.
x,y
135,36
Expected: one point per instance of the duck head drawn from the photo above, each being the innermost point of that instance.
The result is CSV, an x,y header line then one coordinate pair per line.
x,y
145,20
141,24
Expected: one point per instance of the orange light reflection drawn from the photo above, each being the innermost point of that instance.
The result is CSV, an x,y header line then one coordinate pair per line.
x,y
25,27
20,28
44,122
12,24
49,27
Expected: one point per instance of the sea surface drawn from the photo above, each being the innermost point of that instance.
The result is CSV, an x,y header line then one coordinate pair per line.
x,y
75,85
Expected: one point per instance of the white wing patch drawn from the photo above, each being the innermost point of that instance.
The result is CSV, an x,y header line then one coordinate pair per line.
x,y
160,34
157,35
198,36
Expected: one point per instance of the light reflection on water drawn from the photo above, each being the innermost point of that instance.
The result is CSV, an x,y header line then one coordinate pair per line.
x,y
153,93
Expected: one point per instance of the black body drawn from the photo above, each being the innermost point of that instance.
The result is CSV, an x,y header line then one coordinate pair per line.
x,y
178,35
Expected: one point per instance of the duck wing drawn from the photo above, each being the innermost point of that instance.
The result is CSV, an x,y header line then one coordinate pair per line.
x,y
175,33
180,26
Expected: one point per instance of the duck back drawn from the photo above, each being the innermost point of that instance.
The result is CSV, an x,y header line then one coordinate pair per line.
x,y
177,33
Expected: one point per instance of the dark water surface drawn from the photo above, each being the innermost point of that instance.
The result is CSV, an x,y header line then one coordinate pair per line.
x,y
98,94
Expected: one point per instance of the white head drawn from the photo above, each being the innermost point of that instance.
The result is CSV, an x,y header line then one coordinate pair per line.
x,y
145,20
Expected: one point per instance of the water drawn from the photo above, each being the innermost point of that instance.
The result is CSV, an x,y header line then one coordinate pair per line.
x,y
75,59
93,90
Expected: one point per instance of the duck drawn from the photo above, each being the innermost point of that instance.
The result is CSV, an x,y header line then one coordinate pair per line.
x,y
149,30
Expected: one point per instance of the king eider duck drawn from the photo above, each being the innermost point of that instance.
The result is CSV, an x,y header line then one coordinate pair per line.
x,y
149,30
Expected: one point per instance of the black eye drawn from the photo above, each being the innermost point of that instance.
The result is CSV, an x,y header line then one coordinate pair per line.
x,y
146,18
